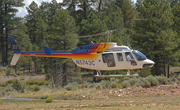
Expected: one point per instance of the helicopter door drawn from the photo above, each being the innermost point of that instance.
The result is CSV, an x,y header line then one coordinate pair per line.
x,y
120,61
130,60
109,59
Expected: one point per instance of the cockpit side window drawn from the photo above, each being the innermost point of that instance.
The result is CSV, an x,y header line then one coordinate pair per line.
x,y
109,59
130,58
119,56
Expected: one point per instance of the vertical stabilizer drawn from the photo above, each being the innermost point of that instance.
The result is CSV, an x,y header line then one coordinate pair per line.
x,y
17,52
14,45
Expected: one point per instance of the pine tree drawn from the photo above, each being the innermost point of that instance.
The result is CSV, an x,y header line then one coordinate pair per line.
x,y
114,20
63,31
31,19
154,36
176,27
92,25
176,18
23,41
129,11
129,15
7,14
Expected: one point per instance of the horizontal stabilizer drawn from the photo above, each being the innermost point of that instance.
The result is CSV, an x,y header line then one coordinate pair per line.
x,y
15,59
47,50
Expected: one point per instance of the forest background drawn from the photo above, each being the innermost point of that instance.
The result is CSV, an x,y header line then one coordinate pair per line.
x,y
151,26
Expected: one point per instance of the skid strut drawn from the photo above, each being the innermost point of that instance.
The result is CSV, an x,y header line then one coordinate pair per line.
x,y
116,75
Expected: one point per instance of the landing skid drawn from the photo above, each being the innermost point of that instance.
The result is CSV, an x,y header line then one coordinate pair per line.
x,y
117,75
120,75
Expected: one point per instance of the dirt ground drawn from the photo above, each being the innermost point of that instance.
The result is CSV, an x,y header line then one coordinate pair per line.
x,y
4,79
162,97
160,90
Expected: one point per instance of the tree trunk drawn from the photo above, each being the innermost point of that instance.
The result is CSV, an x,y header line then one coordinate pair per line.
x,y
99,7
1,33
64,75
168,72
156,64
84,6
6,38
164,69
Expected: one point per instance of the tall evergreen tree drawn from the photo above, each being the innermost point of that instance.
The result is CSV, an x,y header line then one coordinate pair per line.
x,y
176,27
23,41
155,37
173,2
92,25
176,18
63,31
114,20
128,9
7,13
31,19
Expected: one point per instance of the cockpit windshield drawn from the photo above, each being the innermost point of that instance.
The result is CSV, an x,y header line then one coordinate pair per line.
x,y
139,56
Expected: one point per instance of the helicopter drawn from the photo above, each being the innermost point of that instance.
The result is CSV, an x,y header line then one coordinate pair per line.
x,y
95,56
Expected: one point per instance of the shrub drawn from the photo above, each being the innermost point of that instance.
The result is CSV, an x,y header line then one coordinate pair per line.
x,y
113,85
2,84
3,69
174,79
144,72
17,86
88,84
105,84
8,71
162,80
49,100
126,84
71,86
152,80
2,92
41,82
7,90
31,81
114,80
36,88
178,77
44,97
146,84
1,101
9,82
134,81
82,86
98,86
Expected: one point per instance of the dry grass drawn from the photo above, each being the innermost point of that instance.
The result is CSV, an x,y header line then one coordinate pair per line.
x,y
150,103
134,98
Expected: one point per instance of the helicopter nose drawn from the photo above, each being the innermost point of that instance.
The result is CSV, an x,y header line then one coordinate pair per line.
x,y
148,63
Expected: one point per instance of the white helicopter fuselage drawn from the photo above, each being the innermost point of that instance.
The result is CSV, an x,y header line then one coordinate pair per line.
x,y
98,56
117,56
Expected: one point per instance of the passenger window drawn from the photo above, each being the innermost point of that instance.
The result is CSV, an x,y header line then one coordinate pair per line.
x,y
119,56
130,58
109,59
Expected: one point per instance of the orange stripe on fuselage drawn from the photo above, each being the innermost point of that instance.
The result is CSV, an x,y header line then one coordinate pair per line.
x,y
92,55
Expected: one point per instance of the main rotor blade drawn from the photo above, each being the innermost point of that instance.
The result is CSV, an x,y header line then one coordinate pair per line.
x,y
110,31
99,34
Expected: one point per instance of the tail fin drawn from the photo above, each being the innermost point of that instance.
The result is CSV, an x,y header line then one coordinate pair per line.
x,y
17,52
14,45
